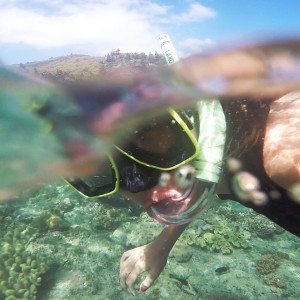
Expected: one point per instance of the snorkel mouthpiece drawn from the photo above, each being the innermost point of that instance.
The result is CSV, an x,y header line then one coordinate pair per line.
x,y
181,198
159,211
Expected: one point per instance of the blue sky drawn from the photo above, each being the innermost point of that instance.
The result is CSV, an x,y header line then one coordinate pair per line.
x,y
36,30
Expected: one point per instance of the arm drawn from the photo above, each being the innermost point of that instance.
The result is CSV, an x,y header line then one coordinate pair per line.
x,y
151,258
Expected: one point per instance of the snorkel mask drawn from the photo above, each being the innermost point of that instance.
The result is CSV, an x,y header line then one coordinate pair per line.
x,y
135,169
177,146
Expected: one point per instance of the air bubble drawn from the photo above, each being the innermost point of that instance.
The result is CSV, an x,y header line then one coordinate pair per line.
x,y
294,192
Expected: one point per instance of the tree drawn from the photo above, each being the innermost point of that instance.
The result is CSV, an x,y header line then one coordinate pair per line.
x,y
151,58
127,57
143,56
108,58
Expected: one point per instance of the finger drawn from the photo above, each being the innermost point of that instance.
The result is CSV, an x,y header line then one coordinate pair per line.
x,y
132,277
123,277
125,271
148,281
130,280
126,266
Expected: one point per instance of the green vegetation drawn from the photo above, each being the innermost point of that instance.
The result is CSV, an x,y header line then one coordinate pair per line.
x,y
20,272
217,238
84,67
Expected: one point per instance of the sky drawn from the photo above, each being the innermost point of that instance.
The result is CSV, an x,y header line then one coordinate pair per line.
x,y
36,30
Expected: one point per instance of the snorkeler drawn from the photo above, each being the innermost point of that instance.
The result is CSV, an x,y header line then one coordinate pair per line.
x,y
260,164
263,139
175,164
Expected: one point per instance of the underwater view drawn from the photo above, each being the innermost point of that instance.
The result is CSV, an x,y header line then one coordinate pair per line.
x,y
62,246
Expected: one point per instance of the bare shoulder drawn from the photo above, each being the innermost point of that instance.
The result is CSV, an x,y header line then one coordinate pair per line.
x,y
281,152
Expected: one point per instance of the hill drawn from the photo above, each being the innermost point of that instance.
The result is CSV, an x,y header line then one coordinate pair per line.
x,y
76,66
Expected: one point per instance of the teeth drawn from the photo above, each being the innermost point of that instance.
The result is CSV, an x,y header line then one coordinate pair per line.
x,y
184,195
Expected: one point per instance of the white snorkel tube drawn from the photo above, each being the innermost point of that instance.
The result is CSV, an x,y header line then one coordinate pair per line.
x,y
168,49
208,163
212,123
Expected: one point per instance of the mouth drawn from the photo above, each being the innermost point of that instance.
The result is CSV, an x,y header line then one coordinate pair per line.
x,y
169,201
171,207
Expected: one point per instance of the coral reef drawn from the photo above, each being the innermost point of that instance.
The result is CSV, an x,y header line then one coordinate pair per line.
x,y
274,281
267,265
84,260
49,221
20,272
260,225
218,238
251,221
269,262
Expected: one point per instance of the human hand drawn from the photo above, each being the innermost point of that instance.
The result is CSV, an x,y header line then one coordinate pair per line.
x,y
148,258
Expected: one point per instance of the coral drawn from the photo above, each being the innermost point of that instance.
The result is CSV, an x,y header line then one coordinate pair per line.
x,y
269,262
251,221
273,280
48,221
109,218
218,238
261,226
181,254
20,272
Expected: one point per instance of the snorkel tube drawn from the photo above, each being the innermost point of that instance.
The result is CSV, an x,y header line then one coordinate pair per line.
x,y
207,165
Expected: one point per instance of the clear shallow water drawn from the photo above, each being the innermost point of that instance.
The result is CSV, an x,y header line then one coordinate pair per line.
x,y
81,241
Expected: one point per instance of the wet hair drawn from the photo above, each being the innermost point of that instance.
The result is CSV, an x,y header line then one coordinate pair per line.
x,y
135,177
245,122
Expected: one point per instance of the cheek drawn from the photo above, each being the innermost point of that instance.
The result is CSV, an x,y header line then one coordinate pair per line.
x,y
140,198
156,141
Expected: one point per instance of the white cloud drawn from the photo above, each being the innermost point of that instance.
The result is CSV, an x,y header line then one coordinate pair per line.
x,y
104,25
196,12
91,26
192,45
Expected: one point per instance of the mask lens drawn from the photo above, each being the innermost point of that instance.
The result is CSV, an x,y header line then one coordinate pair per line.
x,y
164,143
102,183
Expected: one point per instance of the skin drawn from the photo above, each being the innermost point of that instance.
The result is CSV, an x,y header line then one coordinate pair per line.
x,y
281,162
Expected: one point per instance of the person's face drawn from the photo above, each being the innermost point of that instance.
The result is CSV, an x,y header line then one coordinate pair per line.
x,y
172,195
175,190
156,139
